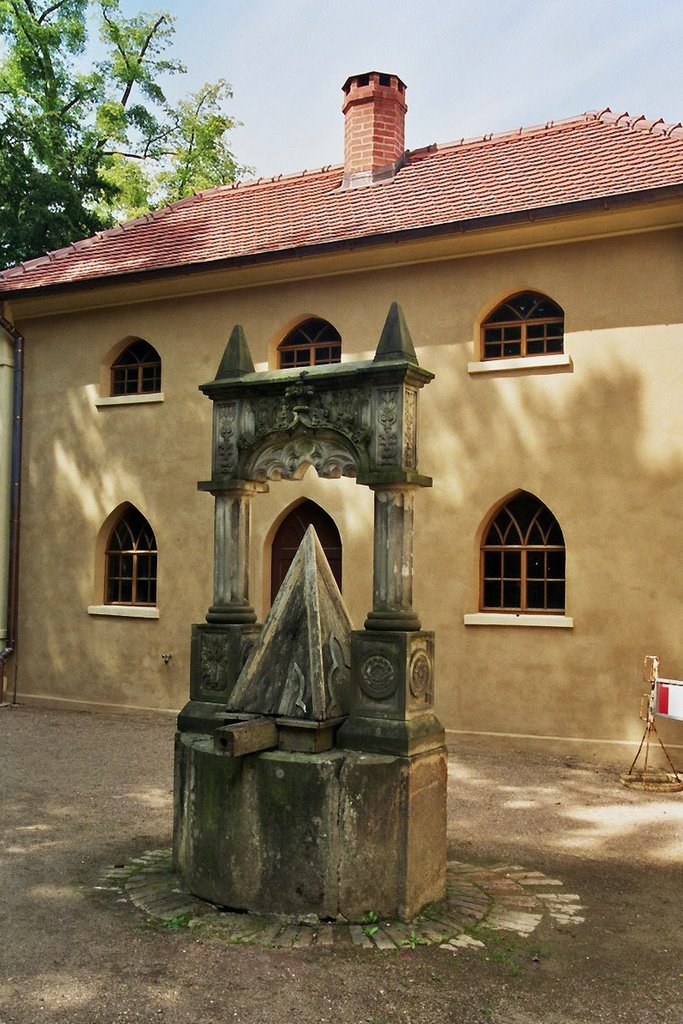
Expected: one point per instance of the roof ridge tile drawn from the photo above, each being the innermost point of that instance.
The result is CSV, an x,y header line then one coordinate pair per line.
x,y
641,123
524,131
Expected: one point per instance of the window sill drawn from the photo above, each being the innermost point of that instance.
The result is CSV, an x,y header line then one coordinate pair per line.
x,y
518,619
124,611
157,396
555,364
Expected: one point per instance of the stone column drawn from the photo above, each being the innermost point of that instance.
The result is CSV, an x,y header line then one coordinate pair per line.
x,y
392,590
232,528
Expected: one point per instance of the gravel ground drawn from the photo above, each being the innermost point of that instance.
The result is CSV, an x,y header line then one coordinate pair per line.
x,y
81,791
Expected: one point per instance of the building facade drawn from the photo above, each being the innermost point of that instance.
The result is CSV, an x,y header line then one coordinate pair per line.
x,y
541,277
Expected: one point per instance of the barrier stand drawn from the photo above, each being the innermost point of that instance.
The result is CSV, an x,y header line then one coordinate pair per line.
x,y
657,702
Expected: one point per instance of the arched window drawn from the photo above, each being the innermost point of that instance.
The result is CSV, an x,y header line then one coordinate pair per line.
x,y
137,371
527,324
311,343
523,559
289,535
131,561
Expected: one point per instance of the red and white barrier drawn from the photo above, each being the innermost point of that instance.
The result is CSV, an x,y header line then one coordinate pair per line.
x,y
669,698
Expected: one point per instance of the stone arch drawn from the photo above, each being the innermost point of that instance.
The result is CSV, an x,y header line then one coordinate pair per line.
x,y
283,456
289,533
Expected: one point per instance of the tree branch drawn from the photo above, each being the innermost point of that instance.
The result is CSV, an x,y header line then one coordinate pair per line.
x,y
47,12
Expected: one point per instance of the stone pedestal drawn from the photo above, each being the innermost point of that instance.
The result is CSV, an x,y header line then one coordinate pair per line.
x,y
341,832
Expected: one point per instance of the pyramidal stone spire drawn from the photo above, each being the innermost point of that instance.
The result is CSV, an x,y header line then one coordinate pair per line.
x,y
236,359
300,666
395,341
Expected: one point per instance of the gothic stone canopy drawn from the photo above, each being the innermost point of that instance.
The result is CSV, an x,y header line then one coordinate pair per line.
x,y
348,419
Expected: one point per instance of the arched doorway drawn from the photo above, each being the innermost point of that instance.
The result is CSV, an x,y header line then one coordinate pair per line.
x,y
290,534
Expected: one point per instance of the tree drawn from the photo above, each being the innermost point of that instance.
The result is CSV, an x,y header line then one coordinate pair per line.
x,y
81,148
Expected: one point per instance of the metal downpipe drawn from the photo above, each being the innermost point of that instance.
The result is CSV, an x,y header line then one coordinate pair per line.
x,y
15,501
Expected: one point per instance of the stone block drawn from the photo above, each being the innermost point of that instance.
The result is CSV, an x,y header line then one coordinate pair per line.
x,y
392,674
306,736
388,736
217,656
340,832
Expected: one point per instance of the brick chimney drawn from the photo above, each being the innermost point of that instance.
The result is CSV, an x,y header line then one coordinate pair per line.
x,y
374,109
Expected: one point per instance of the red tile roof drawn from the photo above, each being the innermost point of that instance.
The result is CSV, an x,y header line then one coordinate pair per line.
x,y
449,187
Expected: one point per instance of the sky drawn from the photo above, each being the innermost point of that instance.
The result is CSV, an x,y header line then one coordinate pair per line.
x,y
470,68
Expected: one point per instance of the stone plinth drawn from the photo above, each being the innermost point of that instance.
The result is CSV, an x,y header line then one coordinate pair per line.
x,y
341,832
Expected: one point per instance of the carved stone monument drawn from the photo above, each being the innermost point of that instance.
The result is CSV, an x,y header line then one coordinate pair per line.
x,y
310,767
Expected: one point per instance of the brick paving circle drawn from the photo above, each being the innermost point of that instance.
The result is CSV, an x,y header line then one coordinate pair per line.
x,y
503,898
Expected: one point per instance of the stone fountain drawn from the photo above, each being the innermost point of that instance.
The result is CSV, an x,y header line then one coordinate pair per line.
x,y
310,769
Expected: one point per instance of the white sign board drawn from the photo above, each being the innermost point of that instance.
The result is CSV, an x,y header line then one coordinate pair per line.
x,y
669,698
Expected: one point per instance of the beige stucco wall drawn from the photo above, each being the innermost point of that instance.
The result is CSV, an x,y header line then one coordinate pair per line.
x,y
600,442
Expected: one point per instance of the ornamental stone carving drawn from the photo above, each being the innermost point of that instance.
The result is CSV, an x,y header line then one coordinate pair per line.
x,y
388,427
331,456
410,428
420,674
226,448
378,677
214,662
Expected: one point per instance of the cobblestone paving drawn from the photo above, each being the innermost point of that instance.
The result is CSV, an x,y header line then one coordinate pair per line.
x,y
504,898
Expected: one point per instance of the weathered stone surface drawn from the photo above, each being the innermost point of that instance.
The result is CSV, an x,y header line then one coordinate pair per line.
x,y
387,736
307,737
218,654
300,667
395,341
392,588
392,674
400,860
259,833
333,833
236,359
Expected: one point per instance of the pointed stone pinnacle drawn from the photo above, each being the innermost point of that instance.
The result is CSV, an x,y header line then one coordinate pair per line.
x,y
300,666
236,359
395,342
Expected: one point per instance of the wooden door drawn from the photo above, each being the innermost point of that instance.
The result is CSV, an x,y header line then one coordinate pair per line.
x,y
290,534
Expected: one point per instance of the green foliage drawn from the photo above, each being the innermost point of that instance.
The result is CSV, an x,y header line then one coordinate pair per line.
x,y
82,148
413,940
370,926
177,923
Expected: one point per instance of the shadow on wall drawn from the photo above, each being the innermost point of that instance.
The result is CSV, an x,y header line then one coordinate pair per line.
x,y
85,462
609,464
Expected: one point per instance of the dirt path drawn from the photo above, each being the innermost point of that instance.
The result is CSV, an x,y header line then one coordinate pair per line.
x,y
80,792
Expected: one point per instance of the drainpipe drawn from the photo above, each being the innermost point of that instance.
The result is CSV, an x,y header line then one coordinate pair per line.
x,y
17,341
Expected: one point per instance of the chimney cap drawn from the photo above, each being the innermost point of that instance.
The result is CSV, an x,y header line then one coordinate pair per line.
x,y
380,74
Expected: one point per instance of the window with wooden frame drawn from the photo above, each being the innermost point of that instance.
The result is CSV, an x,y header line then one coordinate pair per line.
x,y
137,371
523,559
131,561
311,343
526,324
